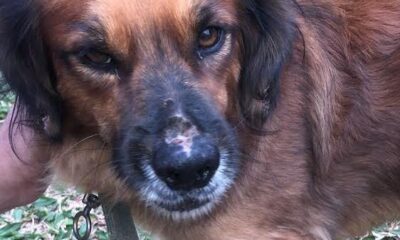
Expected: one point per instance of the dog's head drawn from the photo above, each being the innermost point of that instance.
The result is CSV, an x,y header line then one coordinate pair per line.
x,y
168,85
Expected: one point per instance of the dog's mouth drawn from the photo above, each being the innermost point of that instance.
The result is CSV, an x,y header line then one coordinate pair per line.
x,y
188,209
187,205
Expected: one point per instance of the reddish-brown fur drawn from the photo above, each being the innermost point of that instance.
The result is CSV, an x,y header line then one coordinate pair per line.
x,y
329,166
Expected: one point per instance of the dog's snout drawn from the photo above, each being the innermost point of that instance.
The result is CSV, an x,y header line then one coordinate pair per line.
x,y
179,130
183,170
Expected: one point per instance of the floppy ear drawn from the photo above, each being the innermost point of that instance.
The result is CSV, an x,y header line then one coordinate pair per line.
x,y
266,42
25,65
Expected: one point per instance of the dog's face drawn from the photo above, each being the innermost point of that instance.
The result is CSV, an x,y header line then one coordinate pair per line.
x,y
161,78
164,83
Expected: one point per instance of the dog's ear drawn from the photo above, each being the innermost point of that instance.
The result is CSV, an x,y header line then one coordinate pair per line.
x,y
25,65
267,34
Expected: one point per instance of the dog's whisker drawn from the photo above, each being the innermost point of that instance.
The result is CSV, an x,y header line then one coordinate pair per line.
x,y
76,150
75,145
101,164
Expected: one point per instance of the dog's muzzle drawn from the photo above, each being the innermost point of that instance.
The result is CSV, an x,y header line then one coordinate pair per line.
x,y
176,150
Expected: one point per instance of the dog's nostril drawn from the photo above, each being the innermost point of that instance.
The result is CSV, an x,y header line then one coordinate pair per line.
x,y
203,174
172,178
188,177
168,103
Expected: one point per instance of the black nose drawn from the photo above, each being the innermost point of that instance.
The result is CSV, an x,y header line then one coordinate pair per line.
x,y
181,169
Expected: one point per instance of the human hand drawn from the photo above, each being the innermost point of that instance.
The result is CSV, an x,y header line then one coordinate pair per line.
x,y
22,177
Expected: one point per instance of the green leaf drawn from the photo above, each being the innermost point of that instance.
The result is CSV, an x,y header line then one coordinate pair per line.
x,y
31,236
10,230
44,202
59,221
18,214
83,229
101,235
67,214
69,222
50,217
63,235
40,213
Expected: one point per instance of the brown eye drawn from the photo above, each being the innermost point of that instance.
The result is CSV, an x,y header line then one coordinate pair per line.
x,y
209,37
97,60
98,57
210,40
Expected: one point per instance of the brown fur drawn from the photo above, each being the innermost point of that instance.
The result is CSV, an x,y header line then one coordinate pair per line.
x,y
329,166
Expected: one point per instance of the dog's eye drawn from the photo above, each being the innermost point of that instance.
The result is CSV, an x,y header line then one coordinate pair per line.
x,y
209,37
97,59
210,40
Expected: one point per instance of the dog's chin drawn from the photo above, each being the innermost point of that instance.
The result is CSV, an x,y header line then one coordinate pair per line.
x,y
186,206
189,209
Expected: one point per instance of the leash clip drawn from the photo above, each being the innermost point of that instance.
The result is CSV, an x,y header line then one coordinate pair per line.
x,y
92,202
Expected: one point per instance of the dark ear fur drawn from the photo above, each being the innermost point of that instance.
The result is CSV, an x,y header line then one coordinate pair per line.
x,y
267,38
25,65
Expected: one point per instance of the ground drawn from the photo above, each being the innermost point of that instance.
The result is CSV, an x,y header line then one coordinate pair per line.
x,y
50,217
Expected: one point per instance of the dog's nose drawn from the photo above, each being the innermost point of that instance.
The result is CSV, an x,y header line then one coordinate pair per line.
x,y
185,160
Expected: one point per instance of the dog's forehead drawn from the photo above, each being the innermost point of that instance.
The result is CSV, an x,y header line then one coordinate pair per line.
x,y
142,15
138,13
124,20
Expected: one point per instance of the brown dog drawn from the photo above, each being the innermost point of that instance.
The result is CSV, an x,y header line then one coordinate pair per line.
x,y
217,119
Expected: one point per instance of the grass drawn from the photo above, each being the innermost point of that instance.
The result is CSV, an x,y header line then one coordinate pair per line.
x,y
50,217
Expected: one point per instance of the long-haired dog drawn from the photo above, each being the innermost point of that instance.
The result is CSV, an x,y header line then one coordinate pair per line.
x,y
217,119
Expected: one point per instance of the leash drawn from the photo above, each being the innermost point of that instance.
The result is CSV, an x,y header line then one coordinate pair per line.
x,y
119,221
92,202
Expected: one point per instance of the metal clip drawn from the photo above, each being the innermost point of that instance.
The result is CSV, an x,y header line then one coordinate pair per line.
x,y
92,202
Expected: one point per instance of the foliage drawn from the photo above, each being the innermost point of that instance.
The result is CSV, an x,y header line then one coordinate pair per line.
x,y
6,99
389,231
50,217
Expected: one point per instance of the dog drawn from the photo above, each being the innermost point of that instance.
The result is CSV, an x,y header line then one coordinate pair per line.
x,y
217,119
